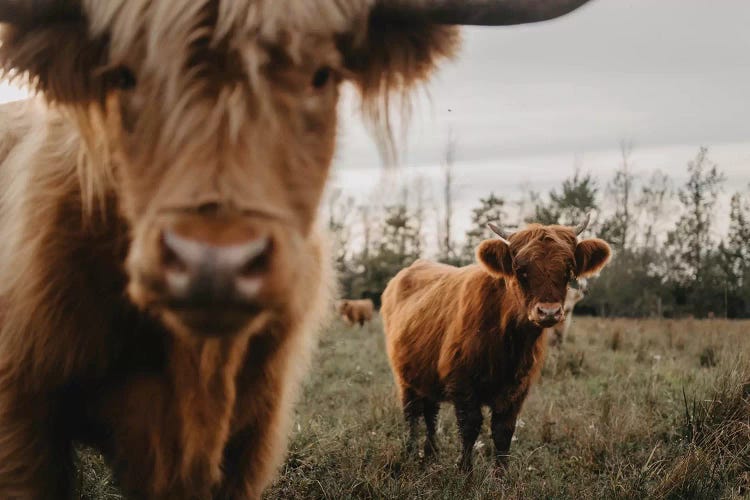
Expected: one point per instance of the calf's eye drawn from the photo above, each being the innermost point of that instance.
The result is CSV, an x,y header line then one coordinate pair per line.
x,y
522,274
321,77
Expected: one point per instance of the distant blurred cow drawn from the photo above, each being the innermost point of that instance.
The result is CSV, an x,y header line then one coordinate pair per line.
x,y
557,333
473,335
356,311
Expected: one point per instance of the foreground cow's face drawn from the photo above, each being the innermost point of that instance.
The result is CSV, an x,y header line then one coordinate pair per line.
x,y
539,262
213,122
223,191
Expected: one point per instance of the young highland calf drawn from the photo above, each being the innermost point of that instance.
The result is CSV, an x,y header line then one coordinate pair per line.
x,y
356,311
473,335
160,271
557,333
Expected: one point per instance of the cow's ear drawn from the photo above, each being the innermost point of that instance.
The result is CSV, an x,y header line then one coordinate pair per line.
x,y
393,52
591,256
47,43
495,257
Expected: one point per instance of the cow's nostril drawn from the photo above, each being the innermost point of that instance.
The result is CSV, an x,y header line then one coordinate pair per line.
x,y
208,208
258,264
240,257
181,253
170,260
549,311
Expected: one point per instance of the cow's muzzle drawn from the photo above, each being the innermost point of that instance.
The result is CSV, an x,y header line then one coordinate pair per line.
x,y
204,273
547,314
211,273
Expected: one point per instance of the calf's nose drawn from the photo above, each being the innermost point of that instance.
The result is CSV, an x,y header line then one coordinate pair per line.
x,y
202,272
549,311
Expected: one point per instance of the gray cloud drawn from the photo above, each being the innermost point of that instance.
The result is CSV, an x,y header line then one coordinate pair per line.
x,y
658,72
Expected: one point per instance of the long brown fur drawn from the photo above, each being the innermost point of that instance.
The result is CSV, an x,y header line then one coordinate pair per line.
x,y
466,335
221,114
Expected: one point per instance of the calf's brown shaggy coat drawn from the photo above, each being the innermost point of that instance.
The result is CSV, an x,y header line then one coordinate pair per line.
x,y
473,335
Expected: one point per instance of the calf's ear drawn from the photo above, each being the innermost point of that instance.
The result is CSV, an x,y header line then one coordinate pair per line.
x,y
494,256
591,256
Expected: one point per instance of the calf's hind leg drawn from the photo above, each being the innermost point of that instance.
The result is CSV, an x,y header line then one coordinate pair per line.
x,y
430,410
413,406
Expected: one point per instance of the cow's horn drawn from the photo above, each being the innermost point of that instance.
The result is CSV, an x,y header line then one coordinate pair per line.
x,y
484,12
27,11
11,10
583,225
504,235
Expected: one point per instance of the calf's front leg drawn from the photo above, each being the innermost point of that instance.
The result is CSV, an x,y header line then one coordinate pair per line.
x,y
469,417
503,426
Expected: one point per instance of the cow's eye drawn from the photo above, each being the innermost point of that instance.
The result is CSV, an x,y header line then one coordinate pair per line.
x,y
522,273
321,77
121,78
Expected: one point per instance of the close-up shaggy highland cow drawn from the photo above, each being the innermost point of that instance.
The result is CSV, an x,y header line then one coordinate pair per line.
x,y
162,276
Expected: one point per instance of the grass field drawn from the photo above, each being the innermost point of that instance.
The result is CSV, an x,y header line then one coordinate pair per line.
x,y
625,409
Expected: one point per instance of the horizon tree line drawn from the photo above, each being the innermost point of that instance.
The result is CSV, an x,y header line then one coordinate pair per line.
x,y
660,269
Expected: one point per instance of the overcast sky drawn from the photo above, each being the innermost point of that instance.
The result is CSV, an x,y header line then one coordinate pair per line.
x,y
524,102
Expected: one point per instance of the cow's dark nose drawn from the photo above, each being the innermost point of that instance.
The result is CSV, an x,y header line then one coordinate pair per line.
x,y
549,311
201,273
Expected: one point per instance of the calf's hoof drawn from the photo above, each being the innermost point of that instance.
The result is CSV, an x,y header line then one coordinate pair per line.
x,y
465,464
430,451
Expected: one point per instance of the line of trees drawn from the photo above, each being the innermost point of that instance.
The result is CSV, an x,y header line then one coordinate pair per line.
x,y
668,258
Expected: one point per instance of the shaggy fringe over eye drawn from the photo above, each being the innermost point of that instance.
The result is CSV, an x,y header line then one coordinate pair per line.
x,y
63,54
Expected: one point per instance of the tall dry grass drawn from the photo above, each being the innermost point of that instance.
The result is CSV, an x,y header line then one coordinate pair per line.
x,y
624,409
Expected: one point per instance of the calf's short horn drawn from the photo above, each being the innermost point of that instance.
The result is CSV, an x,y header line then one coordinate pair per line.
x,y
581,227
504,235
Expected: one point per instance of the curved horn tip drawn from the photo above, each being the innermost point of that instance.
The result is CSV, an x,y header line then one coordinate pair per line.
x,y
25,11
504,235
491,12
581,227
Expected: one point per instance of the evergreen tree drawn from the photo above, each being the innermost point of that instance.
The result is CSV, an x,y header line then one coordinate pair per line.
x,y
571,204
399,245
693,266
651,205
446,245
490,209
735,258
339,226
618,229
689,243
